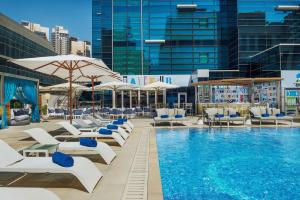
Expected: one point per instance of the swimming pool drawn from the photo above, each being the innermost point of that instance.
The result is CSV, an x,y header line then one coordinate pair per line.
x,y
227,164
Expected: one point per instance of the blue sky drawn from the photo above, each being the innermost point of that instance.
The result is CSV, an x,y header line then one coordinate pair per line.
x,y
74,15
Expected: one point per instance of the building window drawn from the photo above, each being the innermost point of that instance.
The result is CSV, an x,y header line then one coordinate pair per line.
x,y
203,58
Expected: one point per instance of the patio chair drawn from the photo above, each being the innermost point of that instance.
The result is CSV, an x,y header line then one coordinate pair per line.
x,y
88,112
83,169
102,119
162,116
43,137
120,130
96,122
76,133
179,115
234,116
115,113
77,114
281,116
82,126
67,114
129,113
138,111
58,112
261,115
147,112
14,193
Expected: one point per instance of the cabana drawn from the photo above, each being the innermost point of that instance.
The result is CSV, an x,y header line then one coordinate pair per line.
x,y
247,92
23,89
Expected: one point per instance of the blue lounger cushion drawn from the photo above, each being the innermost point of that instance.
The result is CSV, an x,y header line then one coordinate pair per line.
x,y
88,142
164,116
280,115
219,115
104,131
178,116
62,159
233,115
112,126
118,122
122,120
265,115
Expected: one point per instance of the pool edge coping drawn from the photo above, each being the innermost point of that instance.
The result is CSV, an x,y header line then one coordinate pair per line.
x,y
154,182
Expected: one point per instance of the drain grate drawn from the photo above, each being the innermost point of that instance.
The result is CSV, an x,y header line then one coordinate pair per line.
x,y
137,183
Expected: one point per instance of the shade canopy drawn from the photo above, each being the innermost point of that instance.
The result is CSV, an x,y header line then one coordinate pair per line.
x,y
61,65
65,87
66,67
98,78
160,86
115,85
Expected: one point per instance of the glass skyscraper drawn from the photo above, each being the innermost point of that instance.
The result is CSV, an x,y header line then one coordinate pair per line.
x,y
157,37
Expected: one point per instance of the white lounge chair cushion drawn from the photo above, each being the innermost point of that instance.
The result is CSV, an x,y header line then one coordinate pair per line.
x,y
220,111
180,112
255,111
161,112
263,111
231,111
275,111
211,111
171,112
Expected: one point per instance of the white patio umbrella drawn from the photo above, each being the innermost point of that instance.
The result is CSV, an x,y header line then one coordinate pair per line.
x,y
66,67
65,87
157,86
139,89
115,86
98,78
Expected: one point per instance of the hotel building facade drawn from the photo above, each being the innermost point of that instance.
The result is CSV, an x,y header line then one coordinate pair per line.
x,y
230,38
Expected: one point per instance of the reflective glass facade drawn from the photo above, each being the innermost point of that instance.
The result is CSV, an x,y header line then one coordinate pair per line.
x,y
263,25
163,37
159,37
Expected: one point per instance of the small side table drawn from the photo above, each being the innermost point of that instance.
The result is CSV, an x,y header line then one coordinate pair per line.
x,y
36,149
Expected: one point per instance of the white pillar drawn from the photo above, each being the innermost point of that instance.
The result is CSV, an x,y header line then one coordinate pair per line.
x,y
165,98
122,98
130,98
147,94
139,98
114,99
155,100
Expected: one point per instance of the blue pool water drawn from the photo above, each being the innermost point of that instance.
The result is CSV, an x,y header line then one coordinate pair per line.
x,y
230,164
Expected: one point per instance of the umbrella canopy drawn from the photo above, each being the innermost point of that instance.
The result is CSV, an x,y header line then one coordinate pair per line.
x,y
66,67
62,65
98,78
114,86
157,86
66,87
160,86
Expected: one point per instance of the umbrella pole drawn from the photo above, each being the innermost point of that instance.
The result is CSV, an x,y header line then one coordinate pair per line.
x,y
93,96
114,98
70,96
155,99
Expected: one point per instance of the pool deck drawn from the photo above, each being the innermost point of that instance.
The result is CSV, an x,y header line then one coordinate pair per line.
x,y
134,174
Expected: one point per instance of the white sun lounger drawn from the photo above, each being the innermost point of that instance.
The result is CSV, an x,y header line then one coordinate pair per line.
x,y
43,137
84,170
14,193
127,125
75,133
120,130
